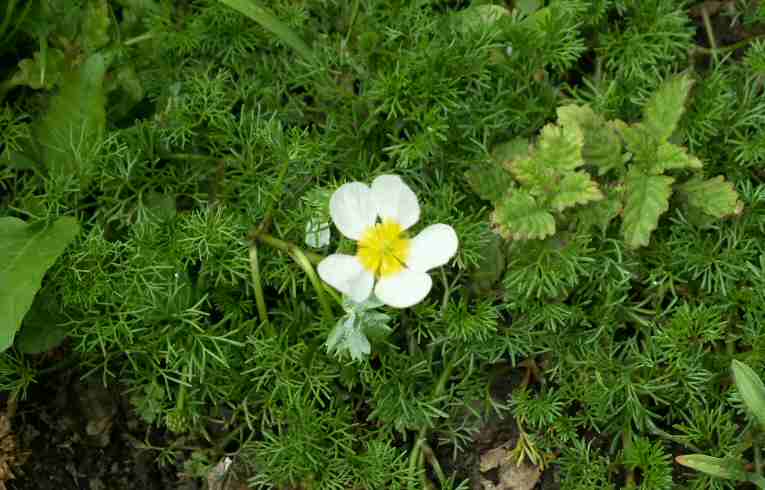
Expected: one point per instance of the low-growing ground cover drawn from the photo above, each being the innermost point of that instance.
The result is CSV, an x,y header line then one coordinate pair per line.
x,y
567,257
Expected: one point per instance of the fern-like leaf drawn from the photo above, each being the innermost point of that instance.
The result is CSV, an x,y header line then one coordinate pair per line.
x,y
520,217
646,199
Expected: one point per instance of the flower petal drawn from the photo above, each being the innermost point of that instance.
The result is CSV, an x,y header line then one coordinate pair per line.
x,y
395,200
404,289
432,247
317,234
352,209
346,274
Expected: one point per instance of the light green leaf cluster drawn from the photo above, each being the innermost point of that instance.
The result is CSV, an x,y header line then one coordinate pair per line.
x,y
555,182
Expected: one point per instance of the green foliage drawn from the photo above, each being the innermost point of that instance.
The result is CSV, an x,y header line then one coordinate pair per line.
x,y
550,183
28,251
602,318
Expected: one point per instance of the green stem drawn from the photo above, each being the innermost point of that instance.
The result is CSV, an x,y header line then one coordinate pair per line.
x,y
416,458
354,13
189,156
284,246
303,262
138,39
260,299
710,32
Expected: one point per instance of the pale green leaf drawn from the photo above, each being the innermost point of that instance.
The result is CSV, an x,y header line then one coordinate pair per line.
x,y
560,147
26,253
721,468
751,389
71,130
714,196
41,71
520,217
646,199
663,111
673,157
575,188
266,18
602,146
506,152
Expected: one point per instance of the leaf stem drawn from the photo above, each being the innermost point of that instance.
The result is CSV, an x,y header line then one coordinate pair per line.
x,y
260,299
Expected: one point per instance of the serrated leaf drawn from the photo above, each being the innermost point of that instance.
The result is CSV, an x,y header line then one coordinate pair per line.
x,y
489,181
673,157
646,199
663,111
639,142
602,146
560,147
714,196
601,213
520,217
41,71
73,126
26,253
506,152
575,188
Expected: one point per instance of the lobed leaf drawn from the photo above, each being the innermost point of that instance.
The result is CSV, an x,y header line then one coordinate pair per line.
x,y
673,157
520,217
560,147
714,196
26,253
663,111
575,188
599,214
489,181
646,199
602,147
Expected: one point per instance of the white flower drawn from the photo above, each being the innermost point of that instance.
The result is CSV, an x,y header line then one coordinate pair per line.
x,y
377,219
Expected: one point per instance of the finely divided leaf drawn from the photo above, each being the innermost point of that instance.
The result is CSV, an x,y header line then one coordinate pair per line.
x,y
672,157
714,196
646,198
575,188
520,217
72,128
664,110
26,253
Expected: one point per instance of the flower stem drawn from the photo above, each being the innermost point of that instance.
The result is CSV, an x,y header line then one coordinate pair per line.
x,y
282,245
260,299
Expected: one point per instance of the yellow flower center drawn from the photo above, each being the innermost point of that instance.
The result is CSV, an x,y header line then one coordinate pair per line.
x,y
383,249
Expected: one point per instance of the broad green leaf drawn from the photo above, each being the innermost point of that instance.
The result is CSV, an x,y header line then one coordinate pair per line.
x,y
491,267
673,157
751,389
646,199
639,142
270,22
721,468
531,173
560,147
520,217
664,110
72,128
575,188
714,196
602,147
600,213
26,253
489,181
43,328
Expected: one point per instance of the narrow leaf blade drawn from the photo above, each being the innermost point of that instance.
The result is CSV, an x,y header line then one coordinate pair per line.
x,y
721,468
751,388
269,21
26,253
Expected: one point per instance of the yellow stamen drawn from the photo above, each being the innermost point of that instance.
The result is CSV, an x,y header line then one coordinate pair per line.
x,y
383,249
